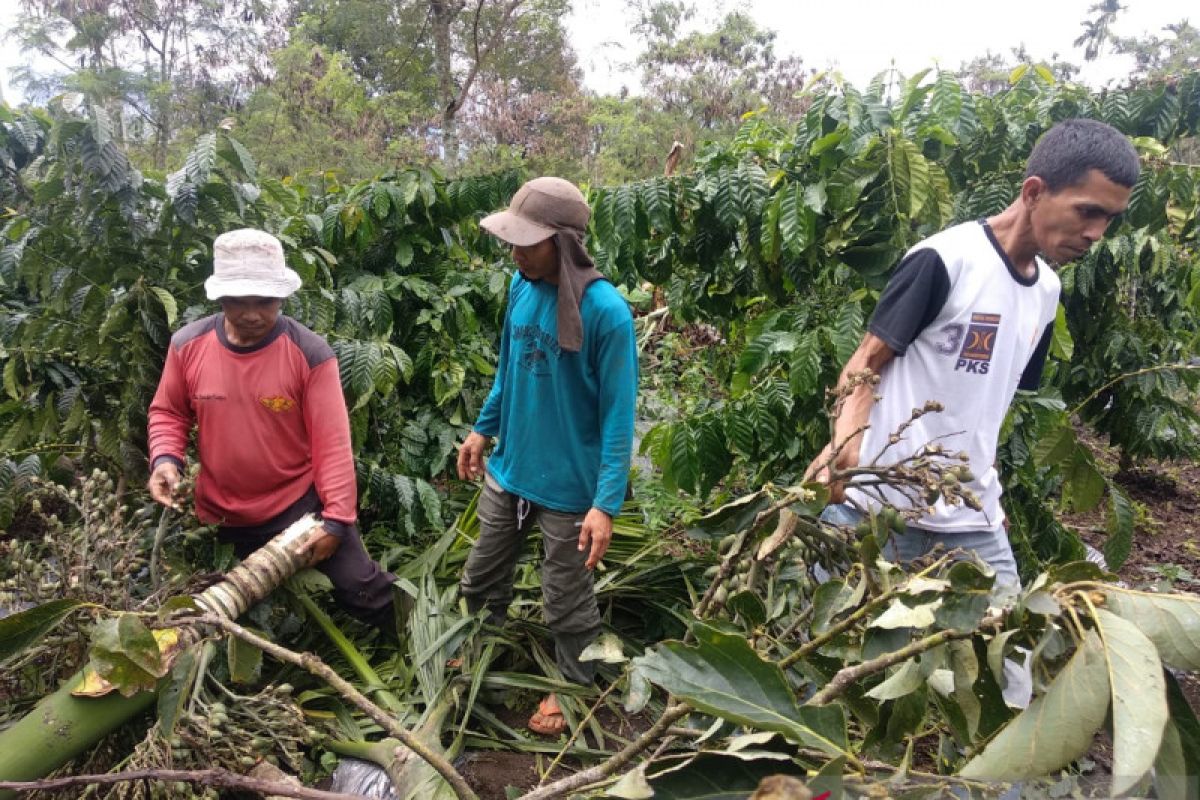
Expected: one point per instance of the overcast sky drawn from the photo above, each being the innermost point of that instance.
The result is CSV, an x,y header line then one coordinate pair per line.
x,y
863,37
859,37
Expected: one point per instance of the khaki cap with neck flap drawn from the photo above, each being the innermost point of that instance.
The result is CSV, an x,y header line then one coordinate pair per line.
x,y
539,209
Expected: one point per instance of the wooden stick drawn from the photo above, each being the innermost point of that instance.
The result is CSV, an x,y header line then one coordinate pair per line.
x,y
220,778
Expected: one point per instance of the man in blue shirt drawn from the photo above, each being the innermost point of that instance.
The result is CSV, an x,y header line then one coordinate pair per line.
x,y
562,408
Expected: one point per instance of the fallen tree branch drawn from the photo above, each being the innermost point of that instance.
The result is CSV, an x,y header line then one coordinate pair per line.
x,y
612,766
848,675
850,621
315,666
220,778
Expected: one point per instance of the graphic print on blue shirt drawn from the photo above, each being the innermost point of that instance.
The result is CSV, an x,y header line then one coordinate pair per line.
x,y
537,348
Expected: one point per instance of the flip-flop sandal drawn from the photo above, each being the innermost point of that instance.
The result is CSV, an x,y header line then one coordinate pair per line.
x,y
547,721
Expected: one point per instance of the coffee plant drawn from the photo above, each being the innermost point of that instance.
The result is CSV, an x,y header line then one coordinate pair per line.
x,y
784,238
768,258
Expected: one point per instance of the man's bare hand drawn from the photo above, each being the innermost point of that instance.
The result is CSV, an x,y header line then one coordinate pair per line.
x,y
320,544
470,456
818,470
162,484
596,532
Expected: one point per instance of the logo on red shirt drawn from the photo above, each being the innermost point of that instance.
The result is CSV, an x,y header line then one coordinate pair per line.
x,y
277,404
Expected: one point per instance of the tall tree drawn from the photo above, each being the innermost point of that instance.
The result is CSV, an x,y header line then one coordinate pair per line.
x,y
439,52
1097,32
156,65
714,76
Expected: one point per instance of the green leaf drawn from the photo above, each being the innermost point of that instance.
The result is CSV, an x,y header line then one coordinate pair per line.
x,y
804,370
905,680
632,785
1171,621
18,631
638,693
797,221
245,660
126,654
175,693
1056,728
1078,571
1084,483
200,161
240,157
1139,710
847,331
1062,346
961,611
965,665
749,606
1119,526
828,780
1178,761
606,648
404,253
170,307
898,615
1056,446
182,602
729,518
722,675
1171,775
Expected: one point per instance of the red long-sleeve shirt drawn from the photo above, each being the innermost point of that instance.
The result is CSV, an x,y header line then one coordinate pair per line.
x,y
271,422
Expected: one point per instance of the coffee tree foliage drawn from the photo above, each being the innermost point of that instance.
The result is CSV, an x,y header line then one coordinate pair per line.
x,y
100,263
785,237
782,239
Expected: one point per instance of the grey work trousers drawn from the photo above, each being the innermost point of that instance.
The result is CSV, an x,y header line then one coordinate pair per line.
x,y
569,601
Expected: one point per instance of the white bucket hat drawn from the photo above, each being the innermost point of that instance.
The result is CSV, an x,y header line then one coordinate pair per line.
x,y
249,263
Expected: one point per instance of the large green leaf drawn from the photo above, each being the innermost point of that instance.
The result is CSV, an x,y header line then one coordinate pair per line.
x,y
729,518
1171,621
1178,763
125,653
1139,710
1056,728
245,660
1119,527
725,677
18,631
177,690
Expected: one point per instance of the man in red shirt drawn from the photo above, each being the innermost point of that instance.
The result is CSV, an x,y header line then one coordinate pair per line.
x,y
273,434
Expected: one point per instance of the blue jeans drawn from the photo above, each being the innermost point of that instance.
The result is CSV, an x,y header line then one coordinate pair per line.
x,y
990,545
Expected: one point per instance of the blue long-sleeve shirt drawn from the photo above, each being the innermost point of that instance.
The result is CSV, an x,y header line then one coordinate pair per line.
x,y
564,420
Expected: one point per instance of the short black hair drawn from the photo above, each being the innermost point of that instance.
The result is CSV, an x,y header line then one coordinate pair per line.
x,y
1064,154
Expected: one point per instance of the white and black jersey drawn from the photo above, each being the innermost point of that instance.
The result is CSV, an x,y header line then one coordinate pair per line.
x,y
967,330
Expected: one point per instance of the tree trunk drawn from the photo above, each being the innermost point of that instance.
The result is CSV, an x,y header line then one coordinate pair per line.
x,y
62,726
441,14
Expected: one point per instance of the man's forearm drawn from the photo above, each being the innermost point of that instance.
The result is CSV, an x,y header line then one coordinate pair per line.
x,y
855,413
854,416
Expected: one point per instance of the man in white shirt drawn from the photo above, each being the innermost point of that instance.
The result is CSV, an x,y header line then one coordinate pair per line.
x,y
966,320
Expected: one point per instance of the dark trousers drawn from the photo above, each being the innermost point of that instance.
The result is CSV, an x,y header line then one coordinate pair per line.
x,y
360,585
568,598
